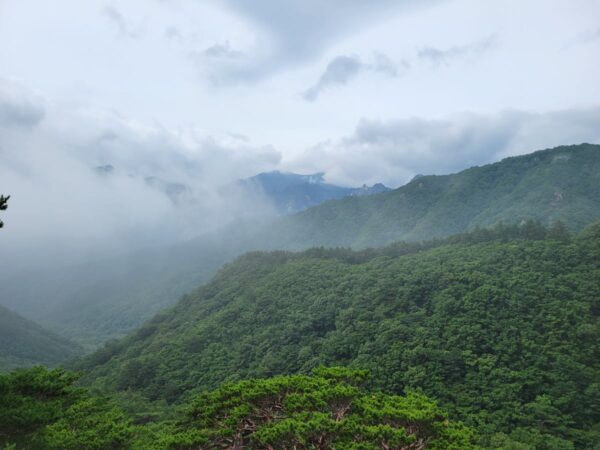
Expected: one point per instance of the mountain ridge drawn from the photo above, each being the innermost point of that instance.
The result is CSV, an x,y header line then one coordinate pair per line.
x,y
554,184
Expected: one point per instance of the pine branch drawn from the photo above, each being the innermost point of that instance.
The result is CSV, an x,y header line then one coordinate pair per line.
x,y
3,206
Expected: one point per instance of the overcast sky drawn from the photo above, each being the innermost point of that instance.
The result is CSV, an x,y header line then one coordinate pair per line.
x,y
209,91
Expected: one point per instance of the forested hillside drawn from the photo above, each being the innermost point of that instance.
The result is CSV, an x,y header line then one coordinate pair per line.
x,y
557,184
105,299
502,326
24,343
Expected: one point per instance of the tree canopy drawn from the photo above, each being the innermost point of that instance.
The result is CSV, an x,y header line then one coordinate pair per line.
x,y
500,325
328,409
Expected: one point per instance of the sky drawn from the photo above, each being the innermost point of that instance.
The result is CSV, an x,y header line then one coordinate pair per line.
x,y
206,92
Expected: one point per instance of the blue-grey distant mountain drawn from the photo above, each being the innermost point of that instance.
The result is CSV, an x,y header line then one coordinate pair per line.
x,y
291,192
286,192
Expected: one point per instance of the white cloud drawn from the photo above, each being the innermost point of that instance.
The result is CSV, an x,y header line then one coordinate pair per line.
x,y
299,31
438,57
61,206
118,20
394,151
19,106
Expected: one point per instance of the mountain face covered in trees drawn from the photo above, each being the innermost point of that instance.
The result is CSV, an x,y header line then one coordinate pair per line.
x,y
500,325
556,184
105,299
24,343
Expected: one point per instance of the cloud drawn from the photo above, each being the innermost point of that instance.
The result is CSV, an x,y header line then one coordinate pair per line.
x,y
385,65
592,35
221,51
61,206
298,31
340,70
222,65
344,68
121,24
587,37
19,106
172,32
441,57
394,151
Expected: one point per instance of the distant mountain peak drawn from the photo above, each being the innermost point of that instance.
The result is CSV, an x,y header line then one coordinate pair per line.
x,y
292,192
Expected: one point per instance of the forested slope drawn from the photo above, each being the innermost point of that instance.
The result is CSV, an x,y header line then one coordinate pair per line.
x,y
556,184
106,299
25,343
501,326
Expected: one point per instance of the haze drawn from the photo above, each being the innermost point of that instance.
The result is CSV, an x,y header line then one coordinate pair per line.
x,y
204,93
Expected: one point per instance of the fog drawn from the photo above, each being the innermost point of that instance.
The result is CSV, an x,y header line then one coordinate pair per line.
x,y
63,208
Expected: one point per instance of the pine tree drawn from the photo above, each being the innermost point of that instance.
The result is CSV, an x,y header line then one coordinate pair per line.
x,y
3,206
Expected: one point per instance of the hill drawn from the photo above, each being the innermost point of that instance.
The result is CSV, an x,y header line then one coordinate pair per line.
x,y
502,326
24,343
106,299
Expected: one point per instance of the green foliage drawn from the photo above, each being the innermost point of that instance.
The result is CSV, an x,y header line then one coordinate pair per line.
x,y
504,332
326,410
329,409
24,343
41,409
32,398
89,424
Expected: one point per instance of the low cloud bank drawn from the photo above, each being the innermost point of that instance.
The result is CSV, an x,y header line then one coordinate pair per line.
x,y
394,151
156,186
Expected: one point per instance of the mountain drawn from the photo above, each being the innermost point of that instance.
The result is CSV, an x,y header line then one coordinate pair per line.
x,y
105,299
556,184
24,343
500,325
286,192
291,192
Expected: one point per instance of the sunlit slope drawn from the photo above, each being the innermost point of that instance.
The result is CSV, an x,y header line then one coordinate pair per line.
x,y
503,331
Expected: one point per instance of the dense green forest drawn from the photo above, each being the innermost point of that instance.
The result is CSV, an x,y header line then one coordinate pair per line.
x,y
105,299
24,343
500,325
329,408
